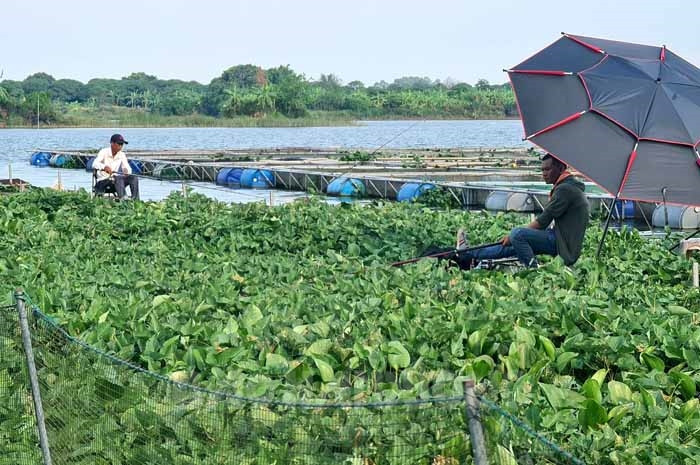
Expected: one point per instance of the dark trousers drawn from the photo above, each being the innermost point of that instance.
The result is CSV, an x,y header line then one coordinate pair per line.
x,y
118,185
525,243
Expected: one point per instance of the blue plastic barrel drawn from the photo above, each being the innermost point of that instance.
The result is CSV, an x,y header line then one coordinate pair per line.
x,y
229,177
58,159
254,178
88,163
346,187
413,190
136,166
624,209
40,159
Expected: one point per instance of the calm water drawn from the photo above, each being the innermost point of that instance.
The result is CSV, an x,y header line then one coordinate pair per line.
x,y
16,146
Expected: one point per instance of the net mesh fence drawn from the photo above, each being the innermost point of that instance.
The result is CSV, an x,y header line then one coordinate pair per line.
x,y
100,410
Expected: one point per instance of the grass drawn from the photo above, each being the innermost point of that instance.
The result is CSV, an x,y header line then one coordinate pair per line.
x,y
112,116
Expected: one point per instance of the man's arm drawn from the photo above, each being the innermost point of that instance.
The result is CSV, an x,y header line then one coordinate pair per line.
x,y
99,163
556,206
126,168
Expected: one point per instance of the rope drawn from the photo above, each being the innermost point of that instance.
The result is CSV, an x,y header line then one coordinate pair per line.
x,y
525,427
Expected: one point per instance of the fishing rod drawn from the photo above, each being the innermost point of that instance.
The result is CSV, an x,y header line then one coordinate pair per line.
x,y
442,254
399,134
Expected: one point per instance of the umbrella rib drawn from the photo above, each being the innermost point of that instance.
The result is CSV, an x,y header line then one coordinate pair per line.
x,y
540,71
557,124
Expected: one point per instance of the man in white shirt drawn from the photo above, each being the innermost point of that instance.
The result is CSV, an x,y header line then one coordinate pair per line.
x,y
113,169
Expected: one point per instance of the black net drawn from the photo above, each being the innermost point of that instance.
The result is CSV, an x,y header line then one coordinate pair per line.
x,y
100,410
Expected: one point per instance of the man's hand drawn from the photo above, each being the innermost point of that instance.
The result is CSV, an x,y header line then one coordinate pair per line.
x,y
505,241
107,170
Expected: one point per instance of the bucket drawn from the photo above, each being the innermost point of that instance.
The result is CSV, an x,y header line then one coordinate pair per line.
x,y
229,177
679,217
346,187
510,202
257,179
40,159
412,190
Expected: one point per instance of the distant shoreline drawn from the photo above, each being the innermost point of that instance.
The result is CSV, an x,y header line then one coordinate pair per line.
x,y
252,123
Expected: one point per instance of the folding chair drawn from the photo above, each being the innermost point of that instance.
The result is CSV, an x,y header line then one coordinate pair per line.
x,y
110,189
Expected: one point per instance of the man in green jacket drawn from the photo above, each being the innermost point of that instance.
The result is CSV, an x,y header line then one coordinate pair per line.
x,y
567,212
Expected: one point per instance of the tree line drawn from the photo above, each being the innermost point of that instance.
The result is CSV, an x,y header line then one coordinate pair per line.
x,y
248,90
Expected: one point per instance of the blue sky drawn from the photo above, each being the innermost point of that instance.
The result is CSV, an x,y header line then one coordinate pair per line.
x,y
355,40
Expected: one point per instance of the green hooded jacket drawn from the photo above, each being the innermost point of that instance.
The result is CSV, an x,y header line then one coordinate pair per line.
x,y
568,208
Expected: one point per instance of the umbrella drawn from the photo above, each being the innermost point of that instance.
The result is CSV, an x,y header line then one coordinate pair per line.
x,y
627,116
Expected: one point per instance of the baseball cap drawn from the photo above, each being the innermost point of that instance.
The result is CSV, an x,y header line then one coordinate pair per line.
x,y
118,138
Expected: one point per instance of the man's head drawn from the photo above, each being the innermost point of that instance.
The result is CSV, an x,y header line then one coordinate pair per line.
x,y
551,169
117,142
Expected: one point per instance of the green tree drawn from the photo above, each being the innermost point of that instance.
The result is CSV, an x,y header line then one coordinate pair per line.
x,y
69,90
41,102
38,82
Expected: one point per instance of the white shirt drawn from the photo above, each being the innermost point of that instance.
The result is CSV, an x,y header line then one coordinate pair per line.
x,y
117,162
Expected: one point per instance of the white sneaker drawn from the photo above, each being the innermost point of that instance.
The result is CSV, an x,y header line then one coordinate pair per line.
x,y
462,242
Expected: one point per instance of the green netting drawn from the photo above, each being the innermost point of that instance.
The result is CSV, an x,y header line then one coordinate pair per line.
x,y
101,410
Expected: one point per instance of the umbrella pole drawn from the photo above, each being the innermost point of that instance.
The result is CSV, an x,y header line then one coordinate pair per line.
x,y
607,224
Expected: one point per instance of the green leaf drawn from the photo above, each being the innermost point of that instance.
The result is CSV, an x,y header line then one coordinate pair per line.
x,y
324,369
376,360
299,373
482,366
320,347
476,341
600,376
397,355
251,316
564,359
592,413
548,347
504,456
591,389
107,390
561,398
159,300
619,392
276,362
653,362
685,383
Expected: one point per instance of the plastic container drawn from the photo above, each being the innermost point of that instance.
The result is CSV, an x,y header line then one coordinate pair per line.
x,y
229,177
257,179
40,159
624,209
679,217
347,187
136,166
510,202
412,190
58,159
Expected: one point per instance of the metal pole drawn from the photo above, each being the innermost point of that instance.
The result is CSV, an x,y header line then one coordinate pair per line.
x,y
37,110
607,223
696,274
663,195
476,433
33,378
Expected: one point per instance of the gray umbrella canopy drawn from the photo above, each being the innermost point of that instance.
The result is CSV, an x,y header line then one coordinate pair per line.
x,y
625,115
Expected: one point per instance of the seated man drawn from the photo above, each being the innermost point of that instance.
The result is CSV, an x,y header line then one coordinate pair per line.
x,y
567,208
113,168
